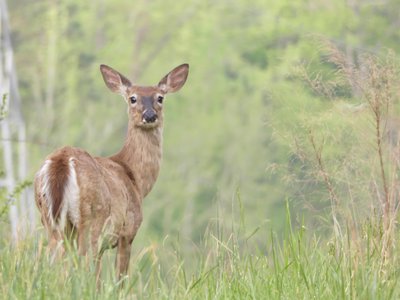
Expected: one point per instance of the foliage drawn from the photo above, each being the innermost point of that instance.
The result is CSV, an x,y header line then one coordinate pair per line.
x,y
220,129
7,200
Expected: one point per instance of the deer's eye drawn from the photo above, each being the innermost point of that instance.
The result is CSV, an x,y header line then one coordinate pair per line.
x,y
160,99
133,99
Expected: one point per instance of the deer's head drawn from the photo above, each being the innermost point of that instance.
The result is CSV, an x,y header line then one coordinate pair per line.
x,y
145,102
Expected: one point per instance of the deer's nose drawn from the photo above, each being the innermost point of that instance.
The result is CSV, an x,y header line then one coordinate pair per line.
x,y
149,116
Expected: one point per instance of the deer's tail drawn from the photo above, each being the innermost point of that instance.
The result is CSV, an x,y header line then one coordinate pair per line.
x,y
57,191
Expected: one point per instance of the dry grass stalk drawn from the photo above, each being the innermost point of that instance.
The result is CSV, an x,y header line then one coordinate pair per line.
x,y
375,82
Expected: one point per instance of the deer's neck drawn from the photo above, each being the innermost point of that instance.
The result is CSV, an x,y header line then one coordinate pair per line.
x,y
142,154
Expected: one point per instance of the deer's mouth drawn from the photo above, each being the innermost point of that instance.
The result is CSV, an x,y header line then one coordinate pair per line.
x,y
149,125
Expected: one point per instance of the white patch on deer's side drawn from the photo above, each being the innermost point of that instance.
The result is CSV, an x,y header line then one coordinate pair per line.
x,y
71,195
43,174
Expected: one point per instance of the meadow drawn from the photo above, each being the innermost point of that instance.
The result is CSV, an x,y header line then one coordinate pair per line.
x,y
280,176
224,265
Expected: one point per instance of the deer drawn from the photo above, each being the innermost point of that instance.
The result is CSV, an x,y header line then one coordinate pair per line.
x,y
97,201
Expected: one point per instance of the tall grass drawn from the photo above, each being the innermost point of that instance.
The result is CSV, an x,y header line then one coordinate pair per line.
x,y
298,265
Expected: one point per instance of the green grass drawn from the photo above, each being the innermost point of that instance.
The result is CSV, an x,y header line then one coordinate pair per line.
x,y
223,266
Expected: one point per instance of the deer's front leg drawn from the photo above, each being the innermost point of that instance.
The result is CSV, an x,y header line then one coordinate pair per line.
x,y
133,222
123,256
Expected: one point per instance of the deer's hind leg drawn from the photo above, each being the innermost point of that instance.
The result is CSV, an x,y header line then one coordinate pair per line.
x,y
55,248
83,237
88,236
54,236
101,240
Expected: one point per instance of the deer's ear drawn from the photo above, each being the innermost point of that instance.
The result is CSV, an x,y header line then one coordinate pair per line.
x,y
175,79
114,80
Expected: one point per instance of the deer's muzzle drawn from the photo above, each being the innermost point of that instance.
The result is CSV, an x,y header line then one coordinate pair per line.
x,y
149,116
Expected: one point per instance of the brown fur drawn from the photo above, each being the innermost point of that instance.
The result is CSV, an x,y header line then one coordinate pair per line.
x,y
58,175
105,200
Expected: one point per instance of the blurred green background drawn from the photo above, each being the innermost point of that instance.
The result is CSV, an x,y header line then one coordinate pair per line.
x,y
228,133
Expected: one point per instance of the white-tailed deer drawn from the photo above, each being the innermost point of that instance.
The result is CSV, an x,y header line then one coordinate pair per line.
x,y
98,200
